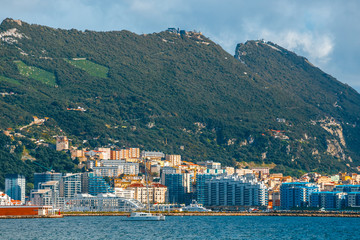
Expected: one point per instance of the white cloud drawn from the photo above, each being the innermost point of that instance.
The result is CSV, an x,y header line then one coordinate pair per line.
x,y
317,47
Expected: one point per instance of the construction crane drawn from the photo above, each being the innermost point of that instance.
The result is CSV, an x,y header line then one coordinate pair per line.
x,y
47,169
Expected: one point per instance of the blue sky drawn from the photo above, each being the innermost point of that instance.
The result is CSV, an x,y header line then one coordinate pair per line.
x,y
327,32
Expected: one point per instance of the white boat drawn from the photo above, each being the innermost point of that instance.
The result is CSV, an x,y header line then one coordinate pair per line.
x,y
145,216
195,207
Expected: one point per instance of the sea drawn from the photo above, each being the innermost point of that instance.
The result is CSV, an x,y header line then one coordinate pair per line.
x,y
177,227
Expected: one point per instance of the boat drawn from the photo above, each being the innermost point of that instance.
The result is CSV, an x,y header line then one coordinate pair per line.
x,y
146,216
195,207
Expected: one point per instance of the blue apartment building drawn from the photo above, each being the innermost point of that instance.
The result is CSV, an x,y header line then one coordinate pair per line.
x,y
328,200
296,194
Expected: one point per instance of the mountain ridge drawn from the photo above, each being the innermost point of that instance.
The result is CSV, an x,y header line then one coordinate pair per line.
x,y
170,92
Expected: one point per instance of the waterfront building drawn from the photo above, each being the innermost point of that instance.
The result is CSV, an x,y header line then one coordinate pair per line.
x,y
327,200
176,189
101,203
200,187
70,185
347,188
98,185
236,190
15,187
156,192
42,197
124,193
296,194
353,199
5,200
46,177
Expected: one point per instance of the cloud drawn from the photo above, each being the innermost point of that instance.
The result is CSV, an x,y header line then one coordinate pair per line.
x,y
317,47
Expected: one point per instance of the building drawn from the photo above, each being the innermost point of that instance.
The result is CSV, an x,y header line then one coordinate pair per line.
x,y
108,202
129,154
152,155
176,188
211,165
5,200
98,185
105,153
127,168
236,191
200,187
296,194
46,177
15,187
156,192
62,143
70,185
124,193
164,171
175,160
347,188
327,200
108,171
42,197
353,199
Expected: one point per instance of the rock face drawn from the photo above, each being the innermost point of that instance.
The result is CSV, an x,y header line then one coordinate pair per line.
x,y
180,93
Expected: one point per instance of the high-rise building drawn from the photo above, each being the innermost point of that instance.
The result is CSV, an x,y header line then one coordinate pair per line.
x,y
70,185
201,187
296,194
15,187
164,171
46,177
352,199
328,200
347,188
176,189
236,191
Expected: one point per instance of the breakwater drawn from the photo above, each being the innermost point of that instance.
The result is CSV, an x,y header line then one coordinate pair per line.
x,y
289,214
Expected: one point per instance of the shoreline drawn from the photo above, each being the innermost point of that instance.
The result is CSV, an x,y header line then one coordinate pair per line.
x,y
31,216
276,214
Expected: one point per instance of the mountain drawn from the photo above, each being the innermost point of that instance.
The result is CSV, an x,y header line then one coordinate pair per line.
x,y
176,93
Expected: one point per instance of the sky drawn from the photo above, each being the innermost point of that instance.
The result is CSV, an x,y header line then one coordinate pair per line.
x,y
327,32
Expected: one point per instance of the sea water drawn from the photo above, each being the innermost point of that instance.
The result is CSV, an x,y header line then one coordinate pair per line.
x,y
187,227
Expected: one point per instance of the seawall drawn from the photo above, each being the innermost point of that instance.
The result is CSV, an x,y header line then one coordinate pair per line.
x,y
288,214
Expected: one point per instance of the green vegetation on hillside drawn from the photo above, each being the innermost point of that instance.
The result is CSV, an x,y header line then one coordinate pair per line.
x,y
10,80
93,69
36,73
169,93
